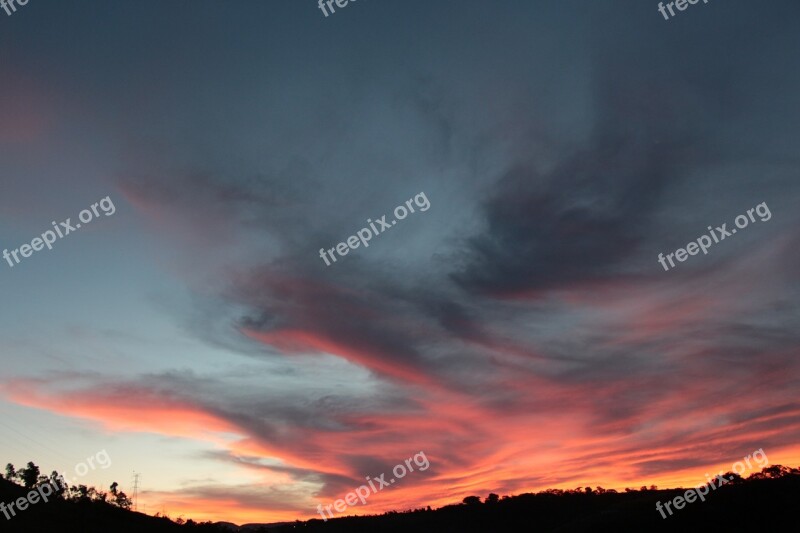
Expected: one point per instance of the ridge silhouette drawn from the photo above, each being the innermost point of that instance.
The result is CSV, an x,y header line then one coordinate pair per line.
x,y
763,501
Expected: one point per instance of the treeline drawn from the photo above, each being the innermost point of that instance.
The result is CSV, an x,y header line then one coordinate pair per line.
x,y
30,478
770,494
79,507
764,501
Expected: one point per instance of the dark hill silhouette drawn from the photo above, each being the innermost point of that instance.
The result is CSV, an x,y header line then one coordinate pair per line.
x,y
763,502
84,514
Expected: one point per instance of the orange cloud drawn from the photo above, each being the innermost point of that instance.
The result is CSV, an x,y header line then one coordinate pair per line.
x,y
149,413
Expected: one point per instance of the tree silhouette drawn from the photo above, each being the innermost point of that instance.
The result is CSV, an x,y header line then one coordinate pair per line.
x,y
734,478
30,475
120,499
58,483
79,492
11,472
776,471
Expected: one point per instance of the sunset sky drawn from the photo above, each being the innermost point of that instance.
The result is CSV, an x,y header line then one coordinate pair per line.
x,y
520,332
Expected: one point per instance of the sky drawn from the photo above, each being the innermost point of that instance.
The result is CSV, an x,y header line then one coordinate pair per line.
x,y
520,332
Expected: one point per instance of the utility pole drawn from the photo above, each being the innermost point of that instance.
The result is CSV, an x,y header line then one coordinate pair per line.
x,y
135,491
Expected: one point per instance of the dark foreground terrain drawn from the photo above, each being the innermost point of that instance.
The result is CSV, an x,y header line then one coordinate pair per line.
x,y
766,501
